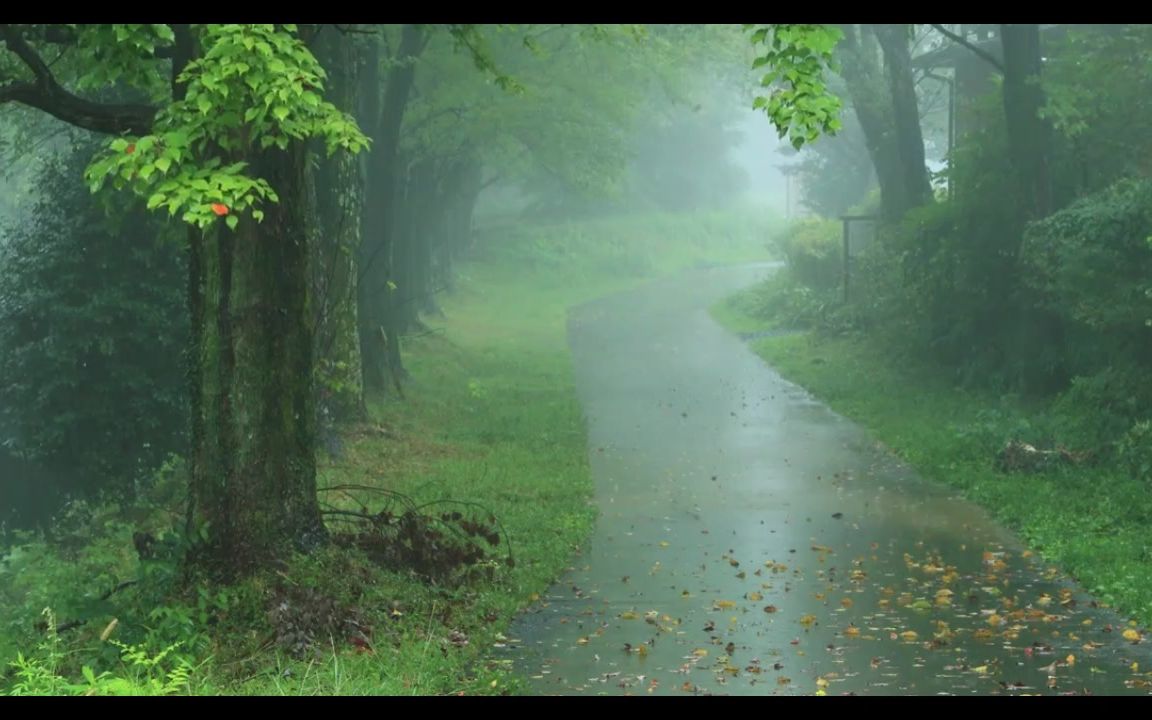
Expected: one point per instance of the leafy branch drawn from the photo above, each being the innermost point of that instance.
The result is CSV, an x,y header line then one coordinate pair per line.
x,y
797,56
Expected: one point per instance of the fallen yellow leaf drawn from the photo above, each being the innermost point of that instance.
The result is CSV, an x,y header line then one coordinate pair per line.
x,y
909,635
1131,635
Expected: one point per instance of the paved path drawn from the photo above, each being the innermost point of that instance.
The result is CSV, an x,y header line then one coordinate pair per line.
x,y
753,542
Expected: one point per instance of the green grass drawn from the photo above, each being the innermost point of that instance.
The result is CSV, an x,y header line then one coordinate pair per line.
x,y
1094,520
490,419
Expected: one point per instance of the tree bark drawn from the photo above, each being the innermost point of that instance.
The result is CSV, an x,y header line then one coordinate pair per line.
x,y
909,139
253,457
871,99
1029,135
379,322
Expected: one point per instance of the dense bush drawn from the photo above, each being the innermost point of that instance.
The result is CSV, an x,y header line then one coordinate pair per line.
x,y
92,332
1090,270
814,250
1135,451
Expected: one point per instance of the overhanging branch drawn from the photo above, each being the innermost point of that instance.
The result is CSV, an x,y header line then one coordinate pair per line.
x,y
46,94
981,53
63,105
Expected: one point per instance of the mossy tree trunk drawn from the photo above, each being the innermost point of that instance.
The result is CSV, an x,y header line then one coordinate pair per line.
x,y
253,456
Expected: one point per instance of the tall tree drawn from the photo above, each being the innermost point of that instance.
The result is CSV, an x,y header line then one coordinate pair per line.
x,y
382,118
876,65
221,144
339,187
1029,134
862,67
909,140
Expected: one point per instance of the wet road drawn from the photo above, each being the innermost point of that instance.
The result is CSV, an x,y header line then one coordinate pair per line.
x,y
753,542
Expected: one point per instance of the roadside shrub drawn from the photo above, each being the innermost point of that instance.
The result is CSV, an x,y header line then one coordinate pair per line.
x,y
1089,272
814,251
1104,405
1134,451
93,327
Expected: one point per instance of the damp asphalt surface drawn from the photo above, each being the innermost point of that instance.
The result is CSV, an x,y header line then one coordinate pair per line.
x,y
753,542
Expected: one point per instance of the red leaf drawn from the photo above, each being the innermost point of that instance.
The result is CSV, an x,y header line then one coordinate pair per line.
x,y
130,149
220,209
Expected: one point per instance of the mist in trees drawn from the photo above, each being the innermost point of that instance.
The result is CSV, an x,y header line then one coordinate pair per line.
x,y
262,283
305,261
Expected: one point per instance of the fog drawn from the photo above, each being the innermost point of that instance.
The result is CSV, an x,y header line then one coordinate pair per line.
x,y
575,359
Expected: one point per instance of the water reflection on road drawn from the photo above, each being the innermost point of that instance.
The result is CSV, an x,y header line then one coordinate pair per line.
x,y
753,542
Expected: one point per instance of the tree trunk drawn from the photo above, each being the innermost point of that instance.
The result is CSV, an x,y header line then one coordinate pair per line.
x,y
253,461
339,189
871,99
415,242
403,248
909,140
1029,136
379,332
461,192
